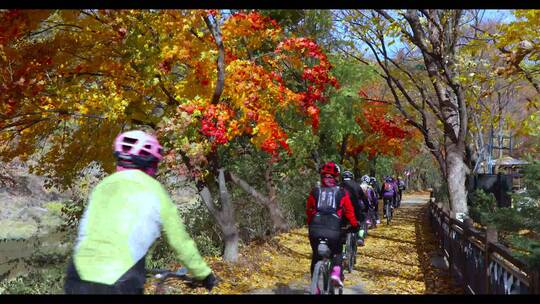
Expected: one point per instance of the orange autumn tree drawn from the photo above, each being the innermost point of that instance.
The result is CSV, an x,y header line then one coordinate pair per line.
x,y
261,72
202,81
386,134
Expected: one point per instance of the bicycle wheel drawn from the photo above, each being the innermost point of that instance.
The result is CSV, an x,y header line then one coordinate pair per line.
x,y
366,229
350,252
355,250
346,254
319,280
331,287
373,219
388,213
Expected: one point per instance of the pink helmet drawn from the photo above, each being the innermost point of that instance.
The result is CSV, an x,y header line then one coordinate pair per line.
x,y
137,150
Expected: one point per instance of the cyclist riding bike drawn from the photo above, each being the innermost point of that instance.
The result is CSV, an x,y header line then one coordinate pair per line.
x,y
401,187
375,187
389,193
370,195
125,213
398,196
358,200
328,208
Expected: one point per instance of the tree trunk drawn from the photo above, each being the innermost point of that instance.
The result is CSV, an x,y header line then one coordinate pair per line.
x,y
316,159
372,166
356,170
224,217
343,148
457,172
231,240
230,232
279,222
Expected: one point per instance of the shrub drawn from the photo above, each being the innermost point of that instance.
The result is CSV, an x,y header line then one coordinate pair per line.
x,y
87,179
481,204
519,225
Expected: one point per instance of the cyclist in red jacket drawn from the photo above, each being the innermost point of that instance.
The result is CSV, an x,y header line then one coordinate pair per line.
x,y
328,208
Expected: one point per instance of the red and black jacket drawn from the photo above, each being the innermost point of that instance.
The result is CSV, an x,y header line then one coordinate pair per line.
x,y
345,206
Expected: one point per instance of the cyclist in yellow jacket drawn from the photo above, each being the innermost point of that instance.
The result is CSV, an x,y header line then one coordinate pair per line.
x,y
124,216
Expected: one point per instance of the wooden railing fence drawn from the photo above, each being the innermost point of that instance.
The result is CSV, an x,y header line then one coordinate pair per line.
x,y
477,260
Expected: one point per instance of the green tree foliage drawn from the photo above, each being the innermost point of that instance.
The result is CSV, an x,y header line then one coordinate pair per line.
x,y
520,224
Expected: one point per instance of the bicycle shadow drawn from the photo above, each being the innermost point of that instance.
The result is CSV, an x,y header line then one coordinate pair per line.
x,y
282,288
298,288
286,289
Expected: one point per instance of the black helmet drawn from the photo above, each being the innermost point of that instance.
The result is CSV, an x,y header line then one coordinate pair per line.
x,y
347,175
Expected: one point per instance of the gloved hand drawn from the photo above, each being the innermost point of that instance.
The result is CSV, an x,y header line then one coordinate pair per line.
x,y
355,229
210,281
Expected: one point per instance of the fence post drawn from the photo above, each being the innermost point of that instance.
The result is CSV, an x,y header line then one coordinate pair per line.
x,y
467,225
451,244
535,282
491,237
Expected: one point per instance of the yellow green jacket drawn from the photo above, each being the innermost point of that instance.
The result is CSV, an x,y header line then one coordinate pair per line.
x,y
124,216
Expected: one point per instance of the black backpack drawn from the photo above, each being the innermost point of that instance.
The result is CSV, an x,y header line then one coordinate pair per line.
x,y
327,204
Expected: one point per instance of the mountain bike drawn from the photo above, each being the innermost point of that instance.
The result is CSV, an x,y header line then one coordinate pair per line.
x,y
349,252
163,274
388,210
321,280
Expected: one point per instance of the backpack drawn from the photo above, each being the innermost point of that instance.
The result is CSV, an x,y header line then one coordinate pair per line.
x,y
327,204
328,199
388,187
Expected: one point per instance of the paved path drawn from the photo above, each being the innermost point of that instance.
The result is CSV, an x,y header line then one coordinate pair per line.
x,y
395,260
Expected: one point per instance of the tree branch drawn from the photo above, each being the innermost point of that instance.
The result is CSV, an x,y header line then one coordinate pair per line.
x,y
214,29
259,197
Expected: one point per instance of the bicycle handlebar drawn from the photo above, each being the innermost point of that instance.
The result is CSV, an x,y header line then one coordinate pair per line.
x,y
181,273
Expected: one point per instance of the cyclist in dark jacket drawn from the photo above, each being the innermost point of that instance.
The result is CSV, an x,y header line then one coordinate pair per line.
x,y
326,208
358,199
356,194
375,186
401,187
389,192
370,197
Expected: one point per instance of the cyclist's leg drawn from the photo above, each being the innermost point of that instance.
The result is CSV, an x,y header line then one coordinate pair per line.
x,y
337,240
376,208
314,242
335,243
132,282
315,234
75,285
362,233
